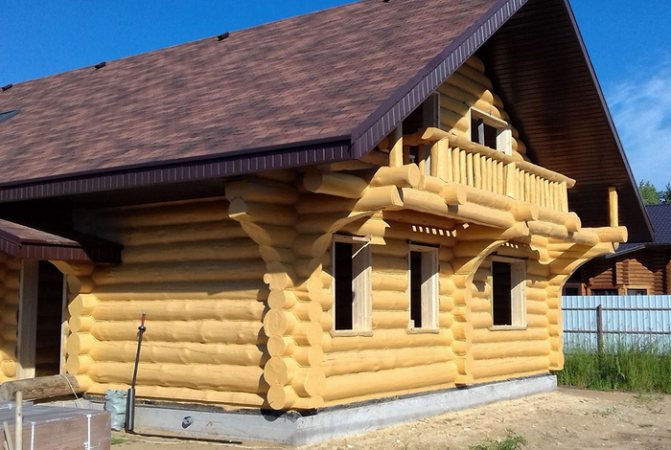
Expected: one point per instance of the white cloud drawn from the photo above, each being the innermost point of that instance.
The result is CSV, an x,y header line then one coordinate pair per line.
x,y
641,108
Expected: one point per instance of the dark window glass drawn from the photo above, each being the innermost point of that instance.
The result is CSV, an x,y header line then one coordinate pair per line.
x,y
571,291
483,134
605,292
344,295
637,291
502,293
416,288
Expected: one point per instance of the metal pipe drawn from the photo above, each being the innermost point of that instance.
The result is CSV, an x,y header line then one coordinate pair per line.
x,y
130,401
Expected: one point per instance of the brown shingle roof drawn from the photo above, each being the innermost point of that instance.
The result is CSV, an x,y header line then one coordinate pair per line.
x,y
323,87
314,77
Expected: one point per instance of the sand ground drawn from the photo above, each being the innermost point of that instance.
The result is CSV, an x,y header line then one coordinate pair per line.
x,y
565,419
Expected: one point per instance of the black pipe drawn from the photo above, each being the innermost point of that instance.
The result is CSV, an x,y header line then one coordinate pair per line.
x,y
130,400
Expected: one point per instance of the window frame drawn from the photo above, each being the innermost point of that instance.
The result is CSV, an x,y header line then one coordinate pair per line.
x,y
635,287
504,138
518,300
362,319
430,311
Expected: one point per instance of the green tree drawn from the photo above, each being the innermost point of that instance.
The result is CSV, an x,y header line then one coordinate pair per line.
x,y
649,193
666,194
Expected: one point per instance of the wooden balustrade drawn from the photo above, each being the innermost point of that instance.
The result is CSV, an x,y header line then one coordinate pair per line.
x,y
458,160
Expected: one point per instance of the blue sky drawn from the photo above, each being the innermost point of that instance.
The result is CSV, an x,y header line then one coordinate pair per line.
x,y
628,41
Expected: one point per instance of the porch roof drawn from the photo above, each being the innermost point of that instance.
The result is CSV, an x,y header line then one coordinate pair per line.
x,y
28,243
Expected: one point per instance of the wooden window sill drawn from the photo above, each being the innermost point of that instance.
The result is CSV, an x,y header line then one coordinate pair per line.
x,y
350,333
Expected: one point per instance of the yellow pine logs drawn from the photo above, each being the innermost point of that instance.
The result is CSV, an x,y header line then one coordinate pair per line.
x,y
292,323
9,299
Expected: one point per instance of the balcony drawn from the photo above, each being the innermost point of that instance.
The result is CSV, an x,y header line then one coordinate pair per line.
x,y
454,159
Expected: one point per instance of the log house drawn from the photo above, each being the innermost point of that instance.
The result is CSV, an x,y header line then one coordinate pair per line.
x,y
380,199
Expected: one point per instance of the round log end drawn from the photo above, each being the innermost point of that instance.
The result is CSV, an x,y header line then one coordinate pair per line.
x,y
281,299
278,322
454,195
312,180
281,397
311,382
279,345
279,371
573,222
414,176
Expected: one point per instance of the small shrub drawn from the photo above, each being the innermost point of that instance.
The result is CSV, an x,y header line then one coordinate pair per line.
x,y
512,441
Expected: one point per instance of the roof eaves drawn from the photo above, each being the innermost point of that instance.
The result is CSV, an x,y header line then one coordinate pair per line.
x,y
407,98
609,117
244,162
626,252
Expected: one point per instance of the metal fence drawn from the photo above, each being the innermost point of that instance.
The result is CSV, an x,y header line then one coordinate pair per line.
x,y
600,321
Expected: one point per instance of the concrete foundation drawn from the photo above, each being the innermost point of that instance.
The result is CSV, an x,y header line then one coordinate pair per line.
x,y
296,429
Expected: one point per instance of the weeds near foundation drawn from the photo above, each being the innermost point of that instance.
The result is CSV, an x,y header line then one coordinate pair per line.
x,y
643,368
116,440
512,441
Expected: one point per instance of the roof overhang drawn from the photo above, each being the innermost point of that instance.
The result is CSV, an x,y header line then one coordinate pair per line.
x,y
24,242
537,60
540,67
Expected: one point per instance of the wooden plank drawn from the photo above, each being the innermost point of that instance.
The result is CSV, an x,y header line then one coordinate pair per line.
x,y
40,388
27,329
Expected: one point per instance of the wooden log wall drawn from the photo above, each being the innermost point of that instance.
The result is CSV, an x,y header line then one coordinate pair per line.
x,y
643,269
470,87
501,354
199,278
391,360
10,275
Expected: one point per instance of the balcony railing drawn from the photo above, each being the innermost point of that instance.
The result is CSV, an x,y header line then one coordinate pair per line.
x,y
458,160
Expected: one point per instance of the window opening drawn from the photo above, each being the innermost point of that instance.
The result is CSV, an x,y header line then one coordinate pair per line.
x,y
423,278
508,304
609,291
351,261
490,131
637,291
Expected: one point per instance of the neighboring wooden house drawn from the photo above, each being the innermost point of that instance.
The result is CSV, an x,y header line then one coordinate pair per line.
x,y
379,199
636,268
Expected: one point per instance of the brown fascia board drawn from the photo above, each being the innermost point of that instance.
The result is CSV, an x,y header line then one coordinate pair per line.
x,y
55,247
241,163
407,98
609,117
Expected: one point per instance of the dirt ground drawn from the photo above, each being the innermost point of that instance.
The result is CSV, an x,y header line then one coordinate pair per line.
x,y
566,419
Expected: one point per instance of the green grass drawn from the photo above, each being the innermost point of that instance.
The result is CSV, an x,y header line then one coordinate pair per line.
x,y
116,440
511,442
643,368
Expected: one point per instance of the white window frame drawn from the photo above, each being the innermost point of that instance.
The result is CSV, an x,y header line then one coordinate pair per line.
x,y
430,289
518,307
362,320
504,136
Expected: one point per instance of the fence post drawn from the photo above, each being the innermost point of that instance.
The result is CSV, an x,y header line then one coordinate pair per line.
x,y
599,327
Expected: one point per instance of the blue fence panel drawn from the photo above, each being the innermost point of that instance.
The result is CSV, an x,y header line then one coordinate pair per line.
x,y
626,320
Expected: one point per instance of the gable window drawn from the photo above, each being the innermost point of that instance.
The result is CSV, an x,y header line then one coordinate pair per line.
x,y
490,131
423,287
508,299
351,273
